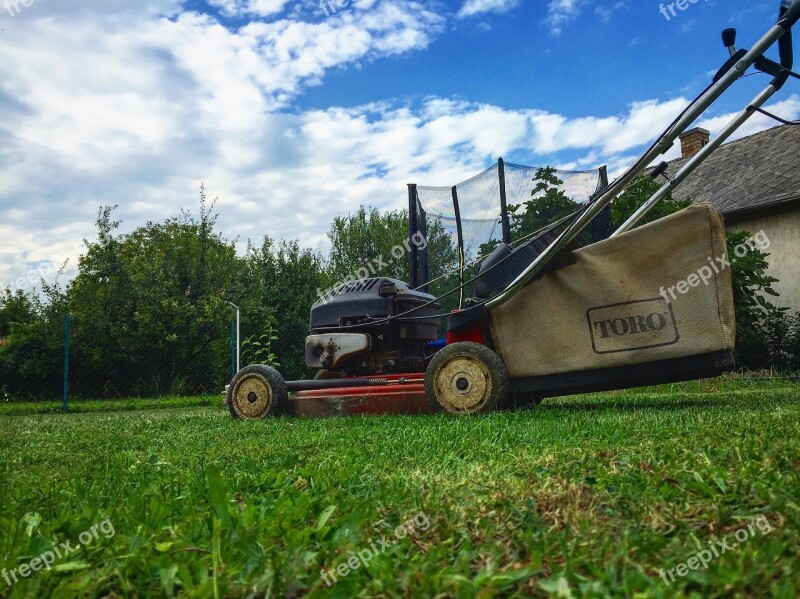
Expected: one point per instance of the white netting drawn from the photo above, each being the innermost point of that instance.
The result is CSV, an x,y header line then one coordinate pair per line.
x,y
479,201
578,185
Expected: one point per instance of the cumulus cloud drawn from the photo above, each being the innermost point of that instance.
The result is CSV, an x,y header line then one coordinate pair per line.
x,y
107,105
261,8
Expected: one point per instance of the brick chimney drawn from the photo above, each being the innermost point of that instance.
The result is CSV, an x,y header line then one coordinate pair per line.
x,y
693,140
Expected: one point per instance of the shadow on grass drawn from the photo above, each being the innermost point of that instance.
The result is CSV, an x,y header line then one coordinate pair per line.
x,y
733,400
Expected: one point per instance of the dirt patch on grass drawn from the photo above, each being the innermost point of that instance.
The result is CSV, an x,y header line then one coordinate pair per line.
x,y
565,503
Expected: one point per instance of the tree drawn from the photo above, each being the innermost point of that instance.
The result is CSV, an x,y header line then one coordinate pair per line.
x,y
370,243
149,308
636,194
278,286
547,205
16,308
362,244
757,319
32,352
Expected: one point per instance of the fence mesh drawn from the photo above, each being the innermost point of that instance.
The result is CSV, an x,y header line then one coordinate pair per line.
x,y
68,365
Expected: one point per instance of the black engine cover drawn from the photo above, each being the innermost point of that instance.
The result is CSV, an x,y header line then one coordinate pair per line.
x,y
397,345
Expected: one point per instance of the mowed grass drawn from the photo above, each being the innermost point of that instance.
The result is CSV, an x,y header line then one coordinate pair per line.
x,y
583,496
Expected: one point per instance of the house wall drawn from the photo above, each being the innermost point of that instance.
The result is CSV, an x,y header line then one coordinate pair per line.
x,y
782,227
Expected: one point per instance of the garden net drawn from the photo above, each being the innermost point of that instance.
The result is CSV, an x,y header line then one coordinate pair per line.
x,y
473,211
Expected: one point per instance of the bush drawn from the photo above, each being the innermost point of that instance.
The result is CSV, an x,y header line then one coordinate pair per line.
x,y
776,345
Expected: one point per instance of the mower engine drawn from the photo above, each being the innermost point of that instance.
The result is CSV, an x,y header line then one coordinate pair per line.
x,y
346,339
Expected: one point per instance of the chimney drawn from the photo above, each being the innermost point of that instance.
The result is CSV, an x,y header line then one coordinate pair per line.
x,y
693,140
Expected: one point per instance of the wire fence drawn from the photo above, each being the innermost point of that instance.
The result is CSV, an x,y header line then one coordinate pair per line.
x,y
74,367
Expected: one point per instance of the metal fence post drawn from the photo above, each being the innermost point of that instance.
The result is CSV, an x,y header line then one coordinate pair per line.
x,y
413,227
504,222
65,400
602,225
233,348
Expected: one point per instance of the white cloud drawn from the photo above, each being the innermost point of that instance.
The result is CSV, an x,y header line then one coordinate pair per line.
x,y
261,8
605,12
788,109
478,7
137,109
562,12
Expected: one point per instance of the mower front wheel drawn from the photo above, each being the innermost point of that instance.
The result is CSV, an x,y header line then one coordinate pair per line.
x,y
466,378
257,392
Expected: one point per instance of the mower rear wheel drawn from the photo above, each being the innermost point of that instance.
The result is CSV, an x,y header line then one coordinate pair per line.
x,y
466,378
257,392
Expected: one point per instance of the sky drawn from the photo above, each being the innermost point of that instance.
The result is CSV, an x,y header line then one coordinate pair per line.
x,y
291,113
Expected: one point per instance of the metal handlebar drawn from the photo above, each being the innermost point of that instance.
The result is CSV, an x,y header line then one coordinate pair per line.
x,y
789,15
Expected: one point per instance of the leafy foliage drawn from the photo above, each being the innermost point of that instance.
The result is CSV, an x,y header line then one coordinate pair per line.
x,y
32,348
757,319
370,243
362,241
151,313
277,286
635,195
149,308
259,351
548,204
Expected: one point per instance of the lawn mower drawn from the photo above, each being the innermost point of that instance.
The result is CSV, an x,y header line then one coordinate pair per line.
x,y
548,317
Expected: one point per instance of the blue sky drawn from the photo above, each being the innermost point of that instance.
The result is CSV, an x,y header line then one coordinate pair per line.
x,y
292,117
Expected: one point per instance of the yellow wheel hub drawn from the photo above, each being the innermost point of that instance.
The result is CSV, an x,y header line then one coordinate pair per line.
x,y
463,384
252,396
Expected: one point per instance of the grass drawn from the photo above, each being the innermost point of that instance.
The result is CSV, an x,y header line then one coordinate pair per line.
x,y
584,496
107,405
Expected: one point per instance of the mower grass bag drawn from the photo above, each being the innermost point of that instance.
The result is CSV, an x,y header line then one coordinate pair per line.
x,y
658,292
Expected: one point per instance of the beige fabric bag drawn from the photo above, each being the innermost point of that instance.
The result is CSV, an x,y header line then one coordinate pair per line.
x,y
614,306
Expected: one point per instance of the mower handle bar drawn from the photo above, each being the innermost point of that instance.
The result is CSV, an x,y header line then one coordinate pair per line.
x,y
789,15
785,42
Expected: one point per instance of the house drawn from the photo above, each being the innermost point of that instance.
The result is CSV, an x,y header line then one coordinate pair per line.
x,y
755,183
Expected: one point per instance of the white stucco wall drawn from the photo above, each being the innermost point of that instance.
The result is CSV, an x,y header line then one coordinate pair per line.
x,y
782,227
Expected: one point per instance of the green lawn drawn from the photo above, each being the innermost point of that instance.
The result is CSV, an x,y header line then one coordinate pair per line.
x,y
582,496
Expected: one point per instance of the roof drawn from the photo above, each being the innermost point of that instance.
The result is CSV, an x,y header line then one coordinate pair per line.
x,y
753,173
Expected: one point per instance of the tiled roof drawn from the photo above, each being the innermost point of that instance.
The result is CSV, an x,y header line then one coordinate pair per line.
x,y
752,173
